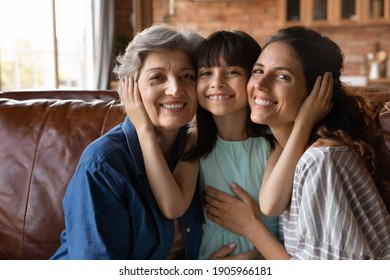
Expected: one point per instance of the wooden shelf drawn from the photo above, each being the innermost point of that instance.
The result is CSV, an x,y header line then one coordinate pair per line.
x,y
381,82
334,12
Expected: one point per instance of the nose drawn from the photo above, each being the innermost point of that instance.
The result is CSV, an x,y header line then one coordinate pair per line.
x,y
261,82
217,81
173,87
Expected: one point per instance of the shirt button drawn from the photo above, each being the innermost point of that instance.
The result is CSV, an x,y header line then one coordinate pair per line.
x,y
188,229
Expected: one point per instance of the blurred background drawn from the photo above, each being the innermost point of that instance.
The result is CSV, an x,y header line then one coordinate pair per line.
x,y
48,44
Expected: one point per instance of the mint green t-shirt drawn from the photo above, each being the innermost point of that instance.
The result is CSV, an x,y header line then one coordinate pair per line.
x,y
242,162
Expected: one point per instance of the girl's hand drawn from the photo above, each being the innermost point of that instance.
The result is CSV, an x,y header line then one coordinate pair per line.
x,y
134,106
318,103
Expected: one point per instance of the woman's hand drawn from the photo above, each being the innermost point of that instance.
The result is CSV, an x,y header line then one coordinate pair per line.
x,y
224,252
234,214
134,106
242,216
318,103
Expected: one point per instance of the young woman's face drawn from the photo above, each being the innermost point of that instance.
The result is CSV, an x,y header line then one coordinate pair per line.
x,y
222,90
167,84
277,86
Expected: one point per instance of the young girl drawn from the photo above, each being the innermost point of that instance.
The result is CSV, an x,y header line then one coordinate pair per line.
x,y
228,146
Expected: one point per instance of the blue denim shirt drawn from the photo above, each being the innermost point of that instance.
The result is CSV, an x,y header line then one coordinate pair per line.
x,y
110,212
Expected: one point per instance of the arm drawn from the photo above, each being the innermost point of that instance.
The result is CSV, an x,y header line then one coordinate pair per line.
x,y
275,193
173,192
242,216
93,212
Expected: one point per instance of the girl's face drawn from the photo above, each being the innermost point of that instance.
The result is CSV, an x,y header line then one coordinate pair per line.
x,y
167,85
277,86
222,89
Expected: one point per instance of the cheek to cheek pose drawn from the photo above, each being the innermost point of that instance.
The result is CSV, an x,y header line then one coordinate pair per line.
x,y
333,193
224,145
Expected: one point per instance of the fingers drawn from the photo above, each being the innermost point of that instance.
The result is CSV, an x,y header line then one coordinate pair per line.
x,y
217,199
213,206
217,194
137,96
329,92
131,95
241,193
249,255
326,88
221,196
322,92
127,94
317,85
223,252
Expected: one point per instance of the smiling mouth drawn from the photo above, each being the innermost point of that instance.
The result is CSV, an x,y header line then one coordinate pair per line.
x,y
218,97
173,106
265,103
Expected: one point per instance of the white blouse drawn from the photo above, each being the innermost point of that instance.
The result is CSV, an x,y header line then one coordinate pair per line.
x,y
336,211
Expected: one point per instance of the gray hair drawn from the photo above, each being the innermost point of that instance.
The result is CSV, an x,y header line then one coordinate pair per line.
x,y
156,38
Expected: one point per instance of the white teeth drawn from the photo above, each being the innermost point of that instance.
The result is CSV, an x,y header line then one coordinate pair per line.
x,y
218,97
262,102
173,106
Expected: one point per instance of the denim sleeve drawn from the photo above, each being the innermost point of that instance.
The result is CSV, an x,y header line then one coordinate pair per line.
x,y
96,218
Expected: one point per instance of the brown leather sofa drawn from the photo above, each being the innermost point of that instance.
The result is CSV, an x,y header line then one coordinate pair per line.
x,y
384,119
42,135
379,100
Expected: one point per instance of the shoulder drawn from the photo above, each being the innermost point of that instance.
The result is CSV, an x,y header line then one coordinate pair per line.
x,y
258,142
327,159
117,152
324,142
104,146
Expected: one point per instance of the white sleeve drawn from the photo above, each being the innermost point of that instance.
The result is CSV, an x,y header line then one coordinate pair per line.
x,y
326,226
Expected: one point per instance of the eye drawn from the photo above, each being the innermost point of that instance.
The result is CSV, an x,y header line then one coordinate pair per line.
x,y
188,76
156,77
204,73
283,77
257,71
232,72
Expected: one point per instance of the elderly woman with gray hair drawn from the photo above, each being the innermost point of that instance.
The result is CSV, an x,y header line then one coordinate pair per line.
x,y
110,211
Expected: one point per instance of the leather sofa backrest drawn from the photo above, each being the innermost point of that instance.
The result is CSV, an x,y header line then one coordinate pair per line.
x,y
62,94
378,100
41,141
384,119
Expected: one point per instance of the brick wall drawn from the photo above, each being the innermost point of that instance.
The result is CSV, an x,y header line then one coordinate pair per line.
x,y
123,25
123,10
261,18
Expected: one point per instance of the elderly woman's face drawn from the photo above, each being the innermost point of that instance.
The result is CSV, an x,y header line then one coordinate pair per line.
x,y
167,84
277,87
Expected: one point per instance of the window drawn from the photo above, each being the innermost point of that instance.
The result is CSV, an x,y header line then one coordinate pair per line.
x,y
45,44
293,10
